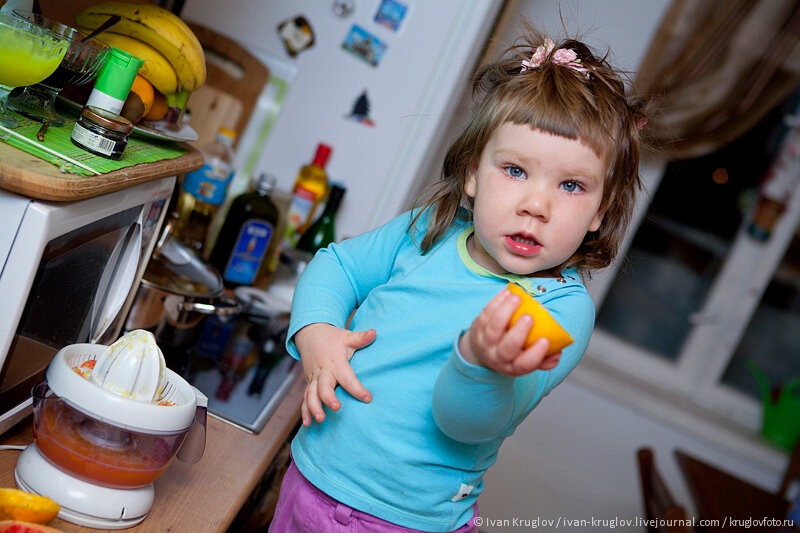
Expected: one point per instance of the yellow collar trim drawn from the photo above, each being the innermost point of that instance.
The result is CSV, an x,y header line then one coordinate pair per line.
x,y
473,266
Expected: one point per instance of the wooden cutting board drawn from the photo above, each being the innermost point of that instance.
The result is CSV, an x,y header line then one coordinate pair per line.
x,y
26,174
234,81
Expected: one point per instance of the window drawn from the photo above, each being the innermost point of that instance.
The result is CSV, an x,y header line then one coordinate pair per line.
x,y
701,294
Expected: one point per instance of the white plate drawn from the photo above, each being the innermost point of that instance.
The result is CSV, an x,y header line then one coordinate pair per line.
x,y
148,129
158,130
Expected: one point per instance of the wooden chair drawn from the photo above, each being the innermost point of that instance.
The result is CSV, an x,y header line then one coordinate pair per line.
x,y
719,495
792,473
661,511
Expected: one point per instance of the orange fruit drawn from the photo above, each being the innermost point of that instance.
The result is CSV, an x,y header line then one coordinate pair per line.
x,y
158,109
145,91
544,325
17,504
17,526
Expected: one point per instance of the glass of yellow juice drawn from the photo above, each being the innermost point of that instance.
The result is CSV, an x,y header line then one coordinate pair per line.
x,y
29,53
81,64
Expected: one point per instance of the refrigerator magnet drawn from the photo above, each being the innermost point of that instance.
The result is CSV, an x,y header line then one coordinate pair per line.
x,y
364,45
391,14
296,34
344,8
360,110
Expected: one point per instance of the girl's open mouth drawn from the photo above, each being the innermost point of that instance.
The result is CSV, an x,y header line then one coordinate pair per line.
x,y
522,244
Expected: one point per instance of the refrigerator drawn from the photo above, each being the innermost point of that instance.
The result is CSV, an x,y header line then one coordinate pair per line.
x,y
379,82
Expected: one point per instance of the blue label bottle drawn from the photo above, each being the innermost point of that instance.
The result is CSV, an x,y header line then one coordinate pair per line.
x,y
246,235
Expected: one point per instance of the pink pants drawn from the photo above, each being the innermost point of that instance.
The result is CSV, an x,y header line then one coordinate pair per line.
x,y
303,508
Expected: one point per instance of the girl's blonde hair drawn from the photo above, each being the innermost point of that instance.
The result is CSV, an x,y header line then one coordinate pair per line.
x,y
560,100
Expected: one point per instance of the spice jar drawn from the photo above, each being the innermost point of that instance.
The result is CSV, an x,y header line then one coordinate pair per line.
x,y
102,132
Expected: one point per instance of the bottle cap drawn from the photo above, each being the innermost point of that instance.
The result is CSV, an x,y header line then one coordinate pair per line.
x,y
107,119
115,79
227,132
322,155
265,183
335,196
225,135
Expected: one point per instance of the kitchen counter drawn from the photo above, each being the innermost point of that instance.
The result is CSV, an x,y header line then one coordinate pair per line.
x,y
204,497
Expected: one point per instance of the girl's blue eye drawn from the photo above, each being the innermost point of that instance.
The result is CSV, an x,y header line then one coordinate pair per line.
x,y
571,186
515,172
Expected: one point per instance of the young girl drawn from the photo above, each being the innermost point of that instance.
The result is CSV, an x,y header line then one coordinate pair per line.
x,y
537,190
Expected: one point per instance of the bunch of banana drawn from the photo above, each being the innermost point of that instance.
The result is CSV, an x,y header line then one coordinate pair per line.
x,y
174,62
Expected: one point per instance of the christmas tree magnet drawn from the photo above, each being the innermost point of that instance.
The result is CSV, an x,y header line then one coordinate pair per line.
x,y
360,110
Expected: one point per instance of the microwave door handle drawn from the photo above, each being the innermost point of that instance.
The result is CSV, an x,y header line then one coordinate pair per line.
x,y
120,284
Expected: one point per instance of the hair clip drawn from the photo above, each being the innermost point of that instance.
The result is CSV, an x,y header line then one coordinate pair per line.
x,y
539,55
564,57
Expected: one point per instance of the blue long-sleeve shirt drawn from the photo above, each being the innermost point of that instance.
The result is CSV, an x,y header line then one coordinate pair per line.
x,y
416,454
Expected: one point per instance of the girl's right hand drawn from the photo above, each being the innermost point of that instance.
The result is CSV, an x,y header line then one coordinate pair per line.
x,y
325,352
489,343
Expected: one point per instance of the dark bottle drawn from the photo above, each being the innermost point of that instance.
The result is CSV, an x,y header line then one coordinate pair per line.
x,y
245,235
321,232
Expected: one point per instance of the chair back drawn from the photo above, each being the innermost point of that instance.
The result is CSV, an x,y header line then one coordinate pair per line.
x,y
792,473
662,513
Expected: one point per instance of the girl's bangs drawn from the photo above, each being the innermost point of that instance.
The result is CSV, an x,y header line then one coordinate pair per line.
x,y
578,119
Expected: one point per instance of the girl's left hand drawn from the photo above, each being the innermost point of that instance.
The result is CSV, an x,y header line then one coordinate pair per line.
x,y
489,344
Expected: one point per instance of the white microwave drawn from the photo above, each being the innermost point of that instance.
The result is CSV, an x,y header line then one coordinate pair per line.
x,y
68,274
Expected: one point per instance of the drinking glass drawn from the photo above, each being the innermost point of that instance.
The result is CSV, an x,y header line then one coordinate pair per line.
x,y
28,54
81,64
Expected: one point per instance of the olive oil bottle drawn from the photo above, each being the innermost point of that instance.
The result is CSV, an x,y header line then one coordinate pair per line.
x,y
310,189
246,234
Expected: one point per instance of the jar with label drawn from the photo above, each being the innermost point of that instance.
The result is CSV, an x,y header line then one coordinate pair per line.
x,y
246,234
101,132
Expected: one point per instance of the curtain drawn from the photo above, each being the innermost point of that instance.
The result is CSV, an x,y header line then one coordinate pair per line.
x,y
715,69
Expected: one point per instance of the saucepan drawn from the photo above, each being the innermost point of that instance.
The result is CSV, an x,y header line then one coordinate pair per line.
x,y
179,290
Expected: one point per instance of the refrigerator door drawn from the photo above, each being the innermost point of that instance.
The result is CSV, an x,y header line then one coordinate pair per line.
x,y
412,83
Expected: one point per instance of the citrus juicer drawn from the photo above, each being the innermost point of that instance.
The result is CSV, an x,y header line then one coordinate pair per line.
x,y
107,421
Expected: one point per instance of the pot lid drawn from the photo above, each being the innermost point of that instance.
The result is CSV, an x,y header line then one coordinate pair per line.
x,y
178,270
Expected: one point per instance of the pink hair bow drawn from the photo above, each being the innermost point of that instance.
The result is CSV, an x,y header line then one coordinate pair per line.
x,y
563,56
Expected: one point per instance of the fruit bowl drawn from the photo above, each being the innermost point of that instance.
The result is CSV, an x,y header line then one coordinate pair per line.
x,y
80,65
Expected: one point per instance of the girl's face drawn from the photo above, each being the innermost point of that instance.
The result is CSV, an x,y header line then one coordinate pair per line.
x,y
536,195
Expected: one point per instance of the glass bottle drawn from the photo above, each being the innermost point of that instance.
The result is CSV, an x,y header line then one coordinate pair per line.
x,y
203,192
322,232
310,188
246,234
